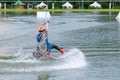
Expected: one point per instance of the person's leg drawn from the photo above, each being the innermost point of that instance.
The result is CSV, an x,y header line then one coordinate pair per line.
x,y
58,48
55,47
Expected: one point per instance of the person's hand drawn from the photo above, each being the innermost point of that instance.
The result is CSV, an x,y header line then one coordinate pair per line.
x,y
46,22
46,8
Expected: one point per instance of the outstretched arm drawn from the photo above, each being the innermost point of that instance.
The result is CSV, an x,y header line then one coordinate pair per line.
x,y
46,25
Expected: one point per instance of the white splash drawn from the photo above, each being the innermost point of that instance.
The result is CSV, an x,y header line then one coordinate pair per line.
x,y
71,60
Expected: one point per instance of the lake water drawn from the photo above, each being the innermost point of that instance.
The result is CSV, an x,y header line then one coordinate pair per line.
x,y
91,41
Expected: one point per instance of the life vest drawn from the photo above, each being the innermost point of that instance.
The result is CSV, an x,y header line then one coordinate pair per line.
x,y
43,42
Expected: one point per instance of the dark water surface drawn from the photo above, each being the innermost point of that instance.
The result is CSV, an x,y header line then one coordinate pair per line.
x,y
96,35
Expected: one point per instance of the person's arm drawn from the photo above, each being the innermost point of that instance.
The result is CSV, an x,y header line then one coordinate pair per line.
x,y
46,25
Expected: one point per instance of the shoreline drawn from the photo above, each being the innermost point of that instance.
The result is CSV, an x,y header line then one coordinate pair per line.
x,y
60,10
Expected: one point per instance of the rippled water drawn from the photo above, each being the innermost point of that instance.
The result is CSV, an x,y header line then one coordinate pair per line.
x,y
91,41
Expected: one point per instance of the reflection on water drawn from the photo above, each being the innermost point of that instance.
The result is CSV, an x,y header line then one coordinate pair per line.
x,y
97,35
